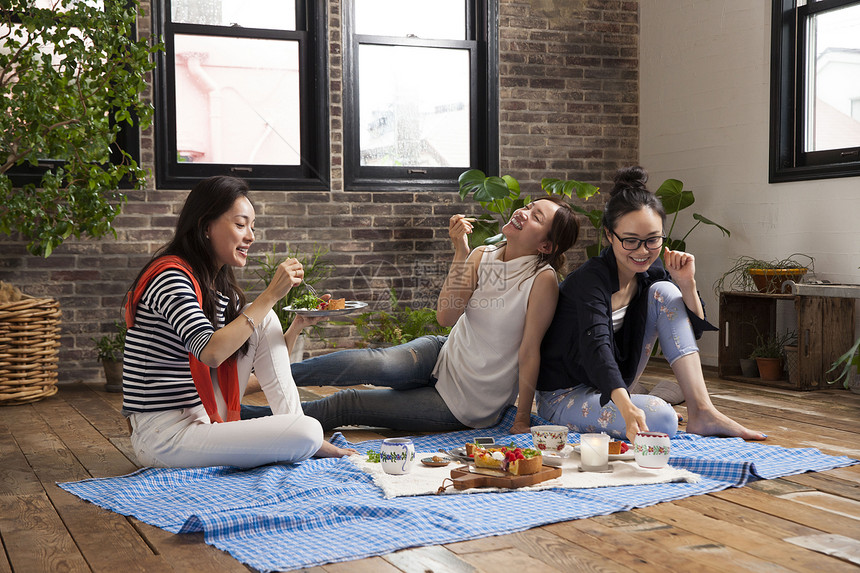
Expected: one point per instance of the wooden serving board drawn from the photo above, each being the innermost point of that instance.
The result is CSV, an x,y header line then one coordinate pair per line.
x,y
464,479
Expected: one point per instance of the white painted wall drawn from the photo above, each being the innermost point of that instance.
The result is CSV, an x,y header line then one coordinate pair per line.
x,y
705,90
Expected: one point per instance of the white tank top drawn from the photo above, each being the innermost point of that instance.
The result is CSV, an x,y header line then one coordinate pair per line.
x,y
477,368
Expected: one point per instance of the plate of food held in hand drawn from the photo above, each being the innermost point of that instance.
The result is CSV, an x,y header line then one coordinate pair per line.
x,y
617,451
311,305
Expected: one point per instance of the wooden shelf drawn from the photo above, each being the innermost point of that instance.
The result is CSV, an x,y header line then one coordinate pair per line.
x,y
825,331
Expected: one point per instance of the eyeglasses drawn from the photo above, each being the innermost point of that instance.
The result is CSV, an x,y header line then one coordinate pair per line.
x,y
632,243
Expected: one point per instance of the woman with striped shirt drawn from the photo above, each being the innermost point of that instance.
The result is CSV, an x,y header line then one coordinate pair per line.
x,y
193,341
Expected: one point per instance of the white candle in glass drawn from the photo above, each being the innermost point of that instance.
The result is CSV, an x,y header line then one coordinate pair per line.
x,y
594,451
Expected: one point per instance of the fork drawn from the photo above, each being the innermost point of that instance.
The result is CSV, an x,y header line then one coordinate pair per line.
x,y
311,289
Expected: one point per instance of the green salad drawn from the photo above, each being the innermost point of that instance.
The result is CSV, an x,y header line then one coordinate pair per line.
x,y
308,301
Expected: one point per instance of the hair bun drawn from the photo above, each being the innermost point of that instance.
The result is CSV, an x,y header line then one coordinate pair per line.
x,y
629,178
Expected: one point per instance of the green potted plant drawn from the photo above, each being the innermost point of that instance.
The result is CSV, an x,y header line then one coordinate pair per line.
x,y
110,348
72,76
501,196
317,268
768,354
765,276
397,325
849,363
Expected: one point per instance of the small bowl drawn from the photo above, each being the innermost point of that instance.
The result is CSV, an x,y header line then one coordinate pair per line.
x,y
549,438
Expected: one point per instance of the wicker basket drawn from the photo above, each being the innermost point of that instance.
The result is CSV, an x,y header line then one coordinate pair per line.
x,y
29,346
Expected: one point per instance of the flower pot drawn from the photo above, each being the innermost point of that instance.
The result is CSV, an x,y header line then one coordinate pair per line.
x,y
749,368
113,375
769,368
29,349
853,382
770,280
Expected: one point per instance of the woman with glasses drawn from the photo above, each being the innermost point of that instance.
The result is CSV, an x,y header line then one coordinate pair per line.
x,y
609,313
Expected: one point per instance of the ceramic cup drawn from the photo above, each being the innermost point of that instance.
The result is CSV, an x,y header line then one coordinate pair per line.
x,y
549,438
397,455
651,449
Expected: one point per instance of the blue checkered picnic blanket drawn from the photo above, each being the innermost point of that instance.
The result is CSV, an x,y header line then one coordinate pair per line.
x,y
288,516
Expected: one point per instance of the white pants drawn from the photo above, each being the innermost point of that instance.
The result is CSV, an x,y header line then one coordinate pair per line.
x,y
186,438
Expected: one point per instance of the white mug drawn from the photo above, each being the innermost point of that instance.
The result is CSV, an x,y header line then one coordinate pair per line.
x,y
651,449
397,455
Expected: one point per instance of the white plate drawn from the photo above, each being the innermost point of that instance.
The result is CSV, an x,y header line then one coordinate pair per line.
x,y
349,306
565,452
628,455
460,453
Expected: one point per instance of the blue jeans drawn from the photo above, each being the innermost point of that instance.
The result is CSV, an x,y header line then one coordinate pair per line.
x,y
579,407
410,402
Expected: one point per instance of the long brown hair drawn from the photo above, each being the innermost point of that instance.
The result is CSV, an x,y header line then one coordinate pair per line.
x,y
209,199
562,234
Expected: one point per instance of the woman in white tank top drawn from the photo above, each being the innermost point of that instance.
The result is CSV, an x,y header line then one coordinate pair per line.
x,y
499,300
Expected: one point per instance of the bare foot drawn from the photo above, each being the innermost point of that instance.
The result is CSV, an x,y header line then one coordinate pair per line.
x,y
715,423
329,450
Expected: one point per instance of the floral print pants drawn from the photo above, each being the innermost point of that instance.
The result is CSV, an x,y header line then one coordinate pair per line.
x,y
579,407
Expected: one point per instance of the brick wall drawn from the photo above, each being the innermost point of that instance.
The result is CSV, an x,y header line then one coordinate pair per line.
x,y
569,109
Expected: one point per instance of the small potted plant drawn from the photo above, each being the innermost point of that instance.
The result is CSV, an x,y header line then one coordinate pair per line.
x,y
768,354
110,348
849,363
398,325
766,276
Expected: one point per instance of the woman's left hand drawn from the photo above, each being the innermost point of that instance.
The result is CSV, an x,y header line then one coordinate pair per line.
x,y
520,428
681,266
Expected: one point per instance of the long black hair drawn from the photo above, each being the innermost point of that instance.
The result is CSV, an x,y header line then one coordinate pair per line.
x,y
209,199
630,194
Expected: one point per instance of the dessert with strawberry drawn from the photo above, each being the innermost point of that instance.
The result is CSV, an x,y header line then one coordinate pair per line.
x,y
616,448
517,461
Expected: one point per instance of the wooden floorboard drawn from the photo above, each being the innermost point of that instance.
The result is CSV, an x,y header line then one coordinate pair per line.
x,y
765,526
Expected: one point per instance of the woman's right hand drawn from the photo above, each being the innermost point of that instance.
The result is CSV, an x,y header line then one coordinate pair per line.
x,y
289,273
458,229
634,420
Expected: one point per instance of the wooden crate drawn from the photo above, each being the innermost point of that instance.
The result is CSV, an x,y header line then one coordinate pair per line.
x,y
825,330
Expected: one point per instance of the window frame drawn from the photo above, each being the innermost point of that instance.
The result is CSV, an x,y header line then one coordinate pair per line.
x,y
788,160
313,171
482,25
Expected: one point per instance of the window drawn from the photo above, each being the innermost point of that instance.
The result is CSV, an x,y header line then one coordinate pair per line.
x,y
815,89
242,90
420,91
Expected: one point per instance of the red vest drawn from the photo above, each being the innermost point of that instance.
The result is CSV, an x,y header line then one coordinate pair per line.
x,y
228,378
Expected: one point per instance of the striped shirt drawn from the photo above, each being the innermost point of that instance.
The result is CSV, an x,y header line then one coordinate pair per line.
x,y
168,324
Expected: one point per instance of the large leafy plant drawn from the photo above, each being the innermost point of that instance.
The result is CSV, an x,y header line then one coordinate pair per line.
x,y
70,76
501,196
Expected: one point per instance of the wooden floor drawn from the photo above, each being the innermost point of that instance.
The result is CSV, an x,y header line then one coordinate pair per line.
x,y
766,526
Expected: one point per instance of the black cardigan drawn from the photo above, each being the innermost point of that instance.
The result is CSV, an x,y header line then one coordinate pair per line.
x,y
580,347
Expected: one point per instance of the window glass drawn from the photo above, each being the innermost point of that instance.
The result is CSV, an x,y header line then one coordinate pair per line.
x,y
833,80
439,19
241,88
414,106
237,100
267,14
